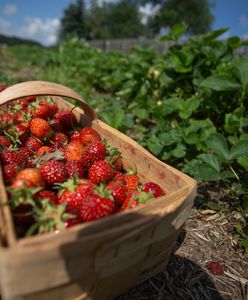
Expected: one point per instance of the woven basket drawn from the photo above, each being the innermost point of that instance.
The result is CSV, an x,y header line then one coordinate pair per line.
x,y
102,259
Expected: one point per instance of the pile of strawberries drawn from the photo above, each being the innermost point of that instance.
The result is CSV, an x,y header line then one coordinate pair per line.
x,y
59,174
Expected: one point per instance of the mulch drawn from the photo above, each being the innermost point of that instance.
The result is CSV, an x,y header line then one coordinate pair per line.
x,y
207,236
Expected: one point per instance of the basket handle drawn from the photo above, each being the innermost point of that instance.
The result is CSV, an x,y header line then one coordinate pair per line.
x,y
43,88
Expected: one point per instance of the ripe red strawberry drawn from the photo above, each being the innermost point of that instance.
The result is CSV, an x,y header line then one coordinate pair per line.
x,y
129,202
75,168
53,106
94,207
42,111
8,156
7,119
100,171
40,128
66,119
118,191
86,135
33,175
18,132
21,183
33,144
74,151
134,198
59,138
23,155
9,172
53,172
154,188
4,142
119,177
2,87
73,191
46,194
72,222
44,149
132,181
29,98
94,152
216,268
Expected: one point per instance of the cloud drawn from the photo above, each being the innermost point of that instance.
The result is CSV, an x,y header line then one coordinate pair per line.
x,y
5,26
9,9
148,10
243,21
43,31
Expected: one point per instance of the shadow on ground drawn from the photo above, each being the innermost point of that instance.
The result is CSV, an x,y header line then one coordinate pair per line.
x,y
182,279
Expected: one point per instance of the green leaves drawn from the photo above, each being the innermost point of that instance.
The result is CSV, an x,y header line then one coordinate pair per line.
x,y
221,82
218,144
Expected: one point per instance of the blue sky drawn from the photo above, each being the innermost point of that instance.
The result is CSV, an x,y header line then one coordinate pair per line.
x,y
39,20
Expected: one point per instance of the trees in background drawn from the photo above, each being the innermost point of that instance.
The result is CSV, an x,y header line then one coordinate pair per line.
x,y
133,18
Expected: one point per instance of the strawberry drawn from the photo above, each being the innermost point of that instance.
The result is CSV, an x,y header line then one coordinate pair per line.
x,y
94,152
18,133
59,138
56,126
42,111
75,168
100,171
132,181
40,128
94,207
86,135
73,191
33,175
53,172
216,268
53,107
134,198
9,172
154,188
44,149
74,151
72,222
66,119
119,177
2,87
4,142
21,183
8,156
46,194
33,144
118,191
129,202
23,155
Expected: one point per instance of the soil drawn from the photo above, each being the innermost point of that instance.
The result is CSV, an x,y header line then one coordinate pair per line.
x,y
207,236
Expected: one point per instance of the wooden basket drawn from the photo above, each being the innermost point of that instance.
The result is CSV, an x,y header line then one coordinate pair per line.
x,y
102,259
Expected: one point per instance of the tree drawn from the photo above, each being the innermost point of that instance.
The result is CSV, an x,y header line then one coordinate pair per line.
x,y
73,23
124,20
115,20
196,14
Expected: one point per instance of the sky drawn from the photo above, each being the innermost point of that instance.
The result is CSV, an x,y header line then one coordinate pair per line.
x,y
40,20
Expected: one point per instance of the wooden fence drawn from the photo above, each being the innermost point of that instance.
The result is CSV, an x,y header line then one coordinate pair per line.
x,y
125,45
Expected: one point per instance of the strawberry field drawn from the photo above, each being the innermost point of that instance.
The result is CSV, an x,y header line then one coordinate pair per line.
x,y
187,106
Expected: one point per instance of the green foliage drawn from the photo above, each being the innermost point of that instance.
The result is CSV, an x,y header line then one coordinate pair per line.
x,y
188,106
